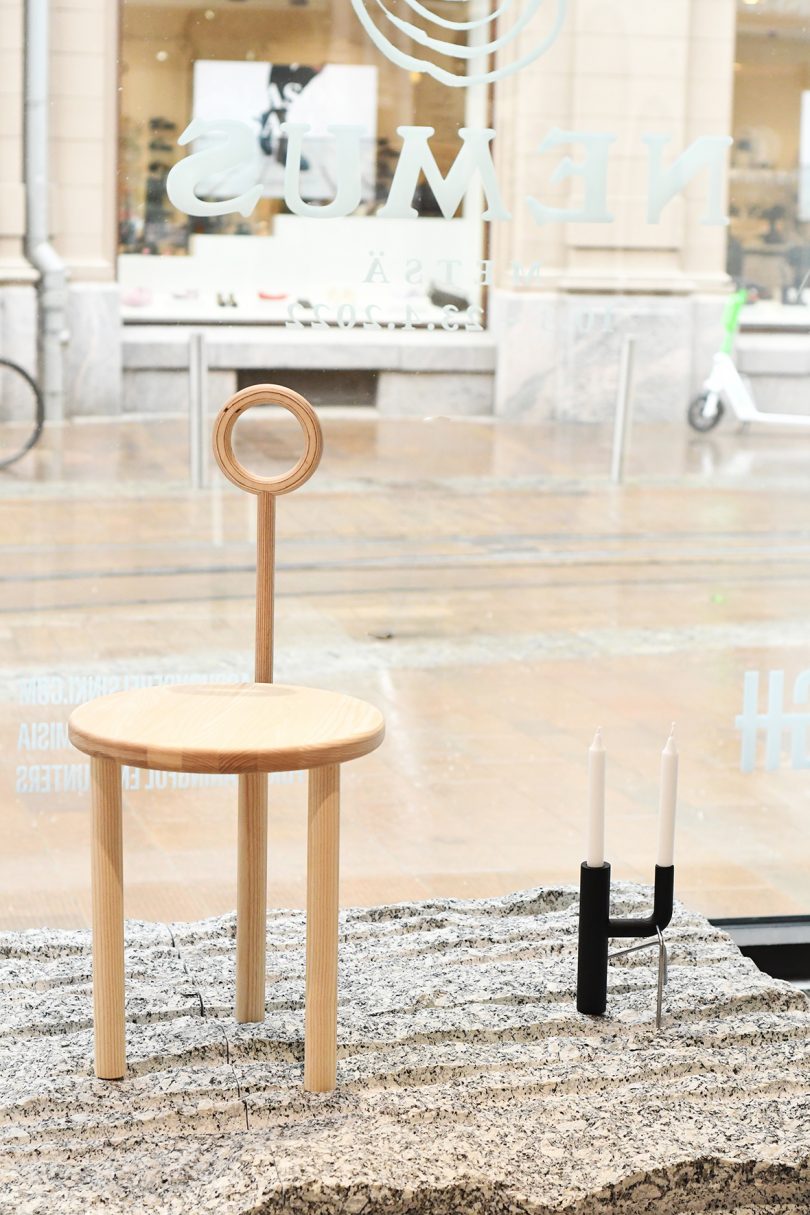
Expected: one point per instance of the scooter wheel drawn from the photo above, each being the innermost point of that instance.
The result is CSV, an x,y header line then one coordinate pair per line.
x,y
701,421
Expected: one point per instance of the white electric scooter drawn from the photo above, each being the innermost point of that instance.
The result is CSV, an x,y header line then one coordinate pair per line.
x,y
726,389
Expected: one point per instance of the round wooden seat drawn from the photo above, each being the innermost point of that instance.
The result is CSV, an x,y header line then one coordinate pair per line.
x,y
247,727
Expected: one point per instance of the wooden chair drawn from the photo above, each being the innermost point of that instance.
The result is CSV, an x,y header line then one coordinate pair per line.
x,y
249,729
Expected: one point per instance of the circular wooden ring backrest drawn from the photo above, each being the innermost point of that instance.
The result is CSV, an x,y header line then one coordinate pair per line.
x,y
267,394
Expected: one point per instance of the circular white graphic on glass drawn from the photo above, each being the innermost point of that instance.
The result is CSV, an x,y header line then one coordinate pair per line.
x,y
477,42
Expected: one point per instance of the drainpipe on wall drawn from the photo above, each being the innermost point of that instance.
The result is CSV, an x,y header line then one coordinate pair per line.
x,y
52,285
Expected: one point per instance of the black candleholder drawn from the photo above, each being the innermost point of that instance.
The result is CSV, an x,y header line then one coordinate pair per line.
x,y
596,928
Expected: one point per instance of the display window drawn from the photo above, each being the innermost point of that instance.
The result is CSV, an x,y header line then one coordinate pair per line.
x,y
404,611
265,67
769,215
541,270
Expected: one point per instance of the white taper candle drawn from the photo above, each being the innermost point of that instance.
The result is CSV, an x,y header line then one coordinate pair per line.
x,y
596,798
668,801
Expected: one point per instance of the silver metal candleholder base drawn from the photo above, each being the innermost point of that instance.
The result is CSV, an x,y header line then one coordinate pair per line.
x,y
663,967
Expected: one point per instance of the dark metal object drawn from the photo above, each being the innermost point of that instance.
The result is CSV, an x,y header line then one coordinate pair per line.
x,y
596,928
778,945
39,414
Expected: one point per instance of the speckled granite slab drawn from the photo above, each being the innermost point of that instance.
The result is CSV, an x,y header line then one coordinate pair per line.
x,y
467,1082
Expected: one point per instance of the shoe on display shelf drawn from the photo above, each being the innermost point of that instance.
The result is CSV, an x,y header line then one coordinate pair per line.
x,y
137,297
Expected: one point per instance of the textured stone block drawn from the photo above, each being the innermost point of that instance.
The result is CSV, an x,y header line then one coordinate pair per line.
x,y
166,391
93,351
431,393
559,354
466,1079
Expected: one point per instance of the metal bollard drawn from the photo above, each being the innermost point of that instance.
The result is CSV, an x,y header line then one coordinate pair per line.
x,y
197,402
624,401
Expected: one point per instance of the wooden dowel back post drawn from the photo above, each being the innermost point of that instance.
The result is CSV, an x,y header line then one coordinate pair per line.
x,y
265,586
266,490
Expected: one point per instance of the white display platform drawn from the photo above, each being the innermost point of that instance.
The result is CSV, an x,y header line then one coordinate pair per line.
x,y
332,264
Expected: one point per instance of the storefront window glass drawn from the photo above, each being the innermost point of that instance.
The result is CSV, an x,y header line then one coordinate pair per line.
x,y
770,203
307,64
474,262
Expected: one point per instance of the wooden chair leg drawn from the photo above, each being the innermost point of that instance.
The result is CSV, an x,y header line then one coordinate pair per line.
x,y
251,897
323,846
108,919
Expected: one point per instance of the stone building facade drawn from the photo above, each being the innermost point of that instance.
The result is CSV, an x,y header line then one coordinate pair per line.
x,y
560,295
83,119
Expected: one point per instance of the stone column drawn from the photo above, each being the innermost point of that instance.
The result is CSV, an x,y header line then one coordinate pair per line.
x,y
84,208
17,277
567,292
